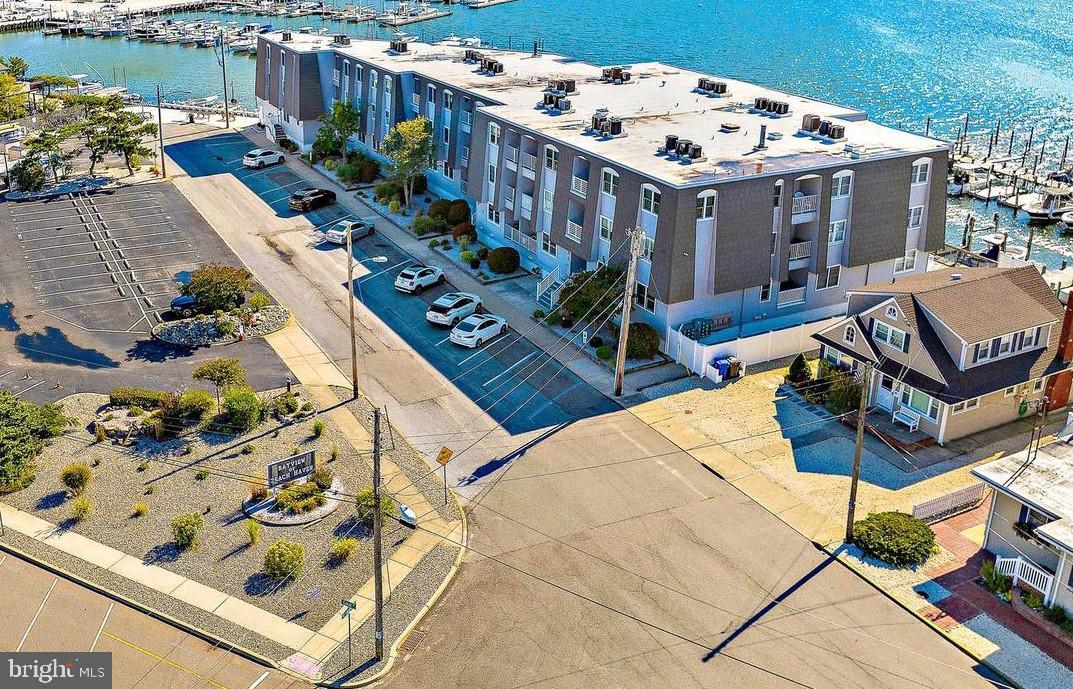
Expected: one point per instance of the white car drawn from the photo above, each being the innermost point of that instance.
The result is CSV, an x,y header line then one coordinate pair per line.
x,y
452,308
416,278
260,157
478,329
336,234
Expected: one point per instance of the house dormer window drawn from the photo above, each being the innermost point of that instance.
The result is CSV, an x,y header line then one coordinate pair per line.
x,y
1007,345
850,335
890,336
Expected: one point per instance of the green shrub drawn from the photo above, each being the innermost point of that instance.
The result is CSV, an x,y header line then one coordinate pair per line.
x,y
424,224
318,428
284,559
467,256
482,253
334,454
201,475
342,548
590,292
1033,600
144,466
363,506
816,390
242,408
306,407
188,449
800,371
186,530
285,405
538,314
463,242
843,395
642,341
604,352
76,477
896,538
474,263
394,206
503,260
420,184
259,300
81,509
387,190
142,397
150,489
463,229
253,531
135,410
596,341
322,477
247,449
100,435
225,327
433,243
1067,627
195,403
458,212
140,509
1056,614
439,209
299,499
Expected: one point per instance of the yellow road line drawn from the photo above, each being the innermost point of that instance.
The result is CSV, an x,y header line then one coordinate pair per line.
x,y
161,659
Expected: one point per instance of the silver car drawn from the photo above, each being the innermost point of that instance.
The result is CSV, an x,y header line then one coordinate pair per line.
x,y
336,234
452,307
478,329
414,279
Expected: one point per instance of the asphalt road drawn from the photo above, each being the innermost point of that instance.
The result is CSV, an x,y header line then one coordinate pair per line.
x,y
84,277
602,555
42,612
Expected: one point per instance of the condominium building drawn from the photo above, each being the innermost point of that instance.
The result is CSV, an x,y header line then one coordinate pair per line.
x,y
760,208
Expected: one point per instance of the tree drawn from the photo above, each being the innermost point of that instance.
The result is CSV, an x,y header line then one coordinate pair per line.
x,y
24,427
48,146
242,407
223,373
216,286
12,100
336,127
15,66
409,146
28,174
51,81
127,132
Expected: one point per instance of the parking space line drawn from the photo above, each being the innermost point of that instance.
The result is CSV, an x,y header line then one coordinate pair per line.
x,y
25,390
443,340
80,217
370,276
100,303
112,227
257,682
95,330
95,241
281,187
75,277
162,659
101,628
113,203
153,246
332,222
511,368
254,174
55,580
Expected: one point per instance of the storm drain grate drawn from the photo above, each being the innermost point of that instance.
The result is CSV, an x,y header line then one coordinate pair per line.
x,y
409,645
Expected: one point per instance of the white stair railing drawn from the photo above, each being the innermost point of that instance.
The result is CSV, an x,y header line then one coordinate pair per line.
x,y
547,281
1024,571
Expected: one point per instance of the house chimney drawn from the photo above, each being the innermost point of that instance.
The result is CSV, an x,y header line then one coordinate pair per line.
x,y
1065,342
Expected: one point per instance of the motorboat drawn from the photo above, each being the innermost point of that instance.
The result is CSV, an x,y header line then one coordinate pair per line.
x,y
966,177
1065,224
1054,204
410,13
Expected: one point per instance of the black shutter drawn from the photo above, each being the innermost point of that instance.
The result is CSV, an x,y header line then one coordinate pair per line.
x,y
976,353
994,347
905,344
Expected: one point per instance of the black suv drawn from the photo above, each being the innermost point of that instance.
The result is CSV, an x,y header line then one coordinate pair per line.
x,y
308,199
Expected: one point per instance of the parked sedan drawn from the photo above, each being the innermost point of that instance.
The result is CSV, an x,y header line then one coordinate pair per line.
x,y
452,308
260,157
478,329
416,278
336,234
310,198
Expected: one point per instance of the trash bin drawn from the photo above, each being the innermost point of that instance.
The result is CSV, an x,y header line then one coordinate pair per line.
x,y
190,117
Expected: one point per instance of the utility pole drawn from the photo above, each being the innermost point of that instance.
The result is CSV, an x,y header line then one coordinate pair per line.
x,y
637,238
223,66
353,335
378,576
866,384
160,131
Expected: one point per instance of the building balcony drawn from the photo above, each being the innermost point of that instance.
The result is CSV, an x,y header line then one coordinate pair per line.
x,y
466,119
800,254
791,294
579,186
805,208
526,207
573,230
510,155
514,234
529,165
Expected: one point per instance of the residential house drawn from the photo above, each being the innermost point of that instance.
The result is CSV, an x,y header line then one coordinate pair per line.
x,y
957,351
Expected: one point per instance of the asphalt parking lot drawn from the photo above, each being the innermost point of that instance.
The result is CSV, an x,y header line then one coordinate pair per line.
x,y
83,279
518,384
44,612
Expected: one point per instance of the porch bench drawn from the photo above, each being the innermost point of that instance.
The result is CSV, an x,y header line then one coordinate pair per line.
x,y
908,418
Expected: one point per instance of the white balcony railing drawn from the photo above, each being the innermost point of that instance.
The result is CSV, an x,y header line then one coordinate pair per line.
x,y
529,161
466,118
579,186
511,154
805,204
573,230
795,295
520,238
799,250
1024,571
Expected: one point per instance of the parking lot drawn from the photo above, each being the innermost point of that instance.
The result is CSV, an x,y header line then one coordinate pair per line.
x,y
83,279
518,384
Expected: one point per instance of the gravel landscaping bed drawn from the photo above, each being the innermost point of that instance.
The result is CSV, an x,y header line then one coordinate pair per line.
x,y
201,331
225,560
405,602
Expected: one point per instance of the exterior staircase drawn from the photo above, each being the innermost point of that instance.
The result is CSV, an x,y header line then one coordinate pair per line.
x,y
548,299
278,134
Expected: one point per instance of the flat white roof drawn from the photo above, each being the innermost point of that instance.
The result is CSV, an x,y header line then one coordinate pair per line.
x,y
1045,482
659,100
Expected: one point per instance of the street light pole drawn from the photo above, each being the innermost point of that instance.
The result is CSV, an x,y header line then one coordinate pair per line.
x,y
353,335
378,576
866,386
160,132
637,237
223,66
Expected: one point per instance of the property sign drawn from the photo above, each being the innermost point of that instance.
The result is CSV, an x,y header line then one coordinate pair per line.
x,y
444,456
294,467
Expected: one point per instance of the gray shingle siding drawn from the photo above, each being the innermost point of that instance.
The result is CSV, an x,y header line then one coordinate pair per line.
x,y
880,204
743,234
936,230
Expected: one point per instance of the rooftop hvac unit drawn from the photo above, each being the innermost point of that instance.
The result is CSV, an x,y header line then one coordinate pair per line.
x,y
783,109
606,73
342,39
486,64
616,74
719,87
549,99
398,46
825,128
615,125
598,120
772,106
683,147
810,123
472,56
562,103
497,67
730,127
670,143
626,76
838,131
285,37
306,29
695,151
702,84
760,103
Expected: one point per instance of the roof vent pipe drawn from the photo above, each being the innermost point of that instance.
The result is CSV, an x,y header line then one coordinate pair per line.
x,y
763,136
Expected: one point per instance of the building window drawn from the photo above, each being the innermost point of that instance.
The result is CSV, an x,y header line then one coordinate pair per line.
x,y
493,214
448,100
1032,519
831,278
650,198
372,83
605,228
1010,391
493,133
892,312
916,216
1037,385
837,232
920,402
551,158
446,136
967,405
572,233
840,186
549,200
546,245
705,206
491,174
850,336
463,185
416,100
643,298
881,332
648,248
907,262
463,154
610,182
765,292
774,241
919,175
778,194
359,72
430,94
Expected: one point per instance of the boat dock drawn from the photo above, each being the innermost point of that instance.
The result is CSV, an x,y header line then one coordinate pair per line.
x,y
481,4
396,19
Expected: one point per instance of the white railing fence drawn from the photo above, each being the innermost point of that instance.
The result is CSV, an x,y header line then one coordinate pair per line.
x,y
805,204
1024,572
520,238
952,503
579,186
800,250
547,281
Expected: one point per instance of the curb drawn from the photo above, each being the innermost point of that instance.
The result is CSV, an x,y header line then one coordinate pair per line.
x,y
146,610
931,625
